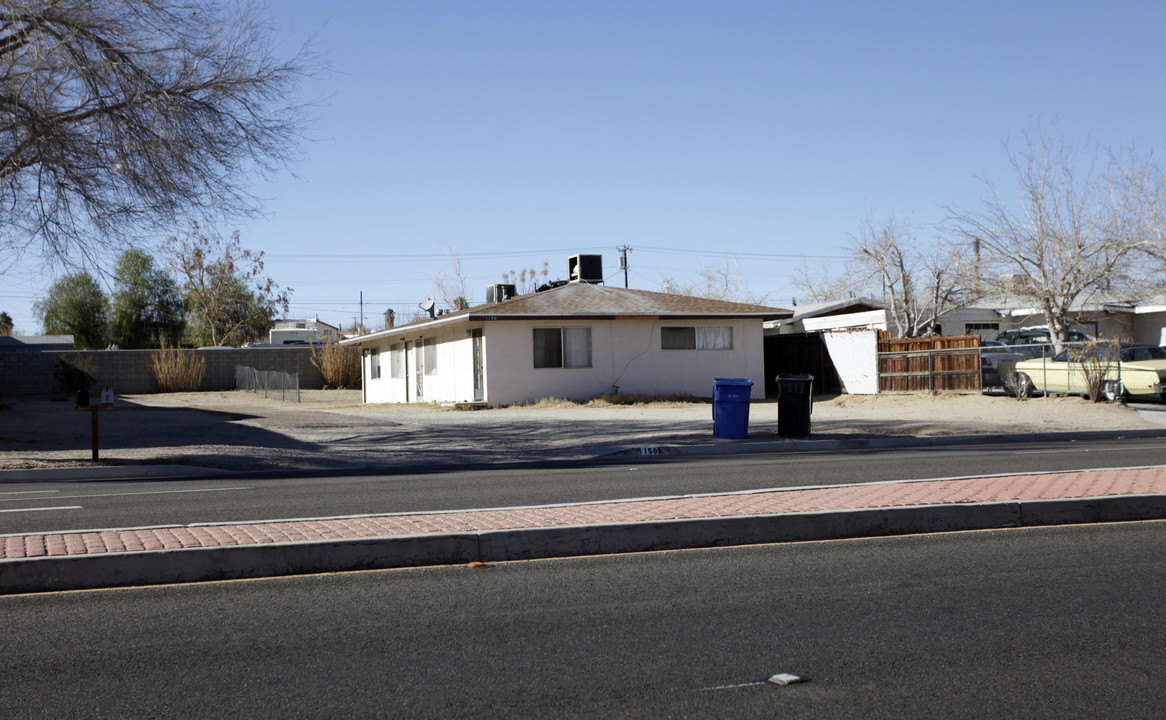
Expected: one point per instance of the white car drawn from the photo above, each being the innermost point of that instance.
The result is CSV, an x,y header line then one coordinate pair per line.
x,y
993,354
1136,373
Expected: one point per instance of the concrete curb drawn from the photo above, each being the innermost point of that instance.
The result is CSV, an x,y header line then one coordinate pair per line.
x,y
254,561
112,472
643,452
873,443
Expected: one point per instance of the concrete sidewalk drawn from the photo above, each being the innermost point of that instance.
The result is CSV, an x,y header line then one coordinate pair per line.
x,y
109,558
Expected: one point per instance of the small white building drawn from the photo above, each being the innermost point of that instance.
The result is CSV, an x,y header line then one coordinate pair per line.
x,y
575,341
308,330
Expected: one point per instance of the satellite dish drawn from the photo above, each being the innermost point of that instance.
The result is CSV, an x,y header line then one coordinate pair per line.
x,y
428,304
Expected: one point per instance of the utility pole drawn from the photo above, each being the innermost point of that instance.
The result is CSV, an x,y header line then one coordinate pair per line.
x,y
362,308
623,263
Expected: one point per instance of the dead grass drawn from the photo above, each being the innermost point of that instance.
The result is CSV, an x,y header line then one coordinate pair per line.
x,y
610,400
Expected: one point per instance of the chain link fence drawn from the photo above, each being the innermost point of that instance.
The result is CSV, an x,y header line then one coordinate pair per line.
x,y
272,383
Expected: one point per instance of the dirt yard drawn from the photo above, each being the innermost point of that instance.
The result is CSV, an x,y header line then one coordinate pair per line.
x,y
332,429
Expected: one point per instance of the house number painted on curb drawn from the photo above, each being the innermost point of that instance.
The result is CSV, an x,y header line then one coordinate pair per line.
x,y
649,451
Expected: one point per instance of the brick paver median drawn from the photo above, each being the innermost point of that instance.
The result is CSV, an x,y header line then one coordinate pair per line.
x,y
894,494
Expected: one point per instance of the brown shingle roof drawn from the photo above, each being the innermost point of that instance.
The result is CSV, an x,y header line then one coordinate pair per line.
x,y
587,300
584,300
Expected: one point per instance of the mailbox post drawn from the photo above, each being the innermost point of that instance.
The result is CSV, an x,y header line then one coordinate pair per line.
x,y
82,399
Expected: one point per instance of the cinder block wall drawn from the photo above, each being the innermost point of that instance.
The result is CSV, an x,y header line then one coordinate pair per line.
x,y
129,371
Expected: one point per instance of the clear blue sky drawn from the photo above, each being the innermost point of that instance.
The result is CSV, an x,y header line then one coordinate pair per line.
x,y
695,133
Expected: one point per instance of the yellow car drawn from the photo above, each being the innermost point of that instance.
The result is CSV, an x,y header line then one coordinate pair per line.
x,y
1136,373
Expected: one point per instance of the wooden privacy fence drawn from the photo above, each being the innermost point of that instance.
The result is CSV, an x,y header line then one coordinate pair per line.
x,y
945,364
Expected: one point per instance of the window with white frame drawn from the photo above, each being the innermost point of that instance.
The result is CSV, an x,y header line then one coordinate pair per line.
x,y
718,337
397,360
374,364
430,346
568,347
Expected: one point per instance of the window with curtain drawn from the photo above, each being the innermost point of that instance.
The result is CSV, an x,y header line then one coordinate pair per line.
x,y
430,345
718,337
374,364
397,360
562,347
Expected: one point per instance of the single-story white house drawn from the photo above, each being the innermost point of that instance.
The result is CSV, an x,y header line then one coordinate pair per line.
x,y
576,341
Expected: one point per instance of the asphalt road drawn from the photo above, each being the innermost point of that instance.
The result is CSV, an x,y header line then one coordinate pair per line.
x,y
1047,623
91,505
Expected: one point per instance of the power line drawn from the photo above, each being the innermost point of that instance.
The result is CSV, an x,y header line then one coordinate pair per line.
x,y
428,257
722,253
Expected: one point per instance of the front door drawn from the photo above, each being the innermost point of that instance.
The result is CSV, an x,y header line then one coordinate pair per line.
x,y
479,366
419,371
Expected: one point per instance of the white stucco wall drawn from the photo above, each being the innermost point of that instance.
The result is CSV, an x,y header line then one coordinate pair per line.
x,y
624,353
451,381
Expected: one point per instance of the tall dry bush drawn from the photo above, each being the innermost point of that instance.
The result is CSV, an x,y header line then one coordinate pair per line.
x,y
178,370
340,365
1098,363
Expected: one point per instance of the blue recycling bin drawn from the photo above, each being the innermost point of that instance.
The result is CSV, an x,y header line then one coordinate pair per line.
x,y
731,407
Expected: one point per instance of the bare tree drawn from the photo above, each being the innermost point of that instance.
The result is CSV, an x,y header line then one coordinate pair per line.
x,y
452,286
229,298
918,282
821,285
1085,224
116,116
724,281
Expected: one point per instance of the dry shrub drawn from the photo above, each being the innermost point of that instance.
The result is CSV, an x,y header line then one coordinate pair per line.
x,y
178,370
339,365
1098,363
1012,381
642,399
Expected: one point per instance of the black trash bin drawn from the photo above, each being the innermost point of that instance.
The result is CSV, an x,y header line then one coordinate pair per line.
x,y
795,402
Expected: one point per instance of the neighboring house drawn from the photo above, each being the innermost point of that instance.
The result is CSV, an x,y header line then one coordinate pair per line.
x,y
313,330
1140,322
36,343
577,340
850,313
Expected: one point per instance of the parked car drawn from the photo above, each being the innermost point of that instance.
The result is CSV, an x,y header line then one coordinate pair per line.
x,y
1036,341
1035,336
1130,372
993,354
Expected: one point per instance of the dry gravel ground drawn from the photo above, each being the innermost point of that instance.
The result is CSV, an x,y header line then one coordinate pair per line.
x,y
332,429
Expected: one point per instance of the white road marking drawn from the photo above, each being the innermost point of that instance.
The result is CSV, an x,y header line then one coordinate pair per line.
x,y
39,509
29,492
126,494
1062,451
